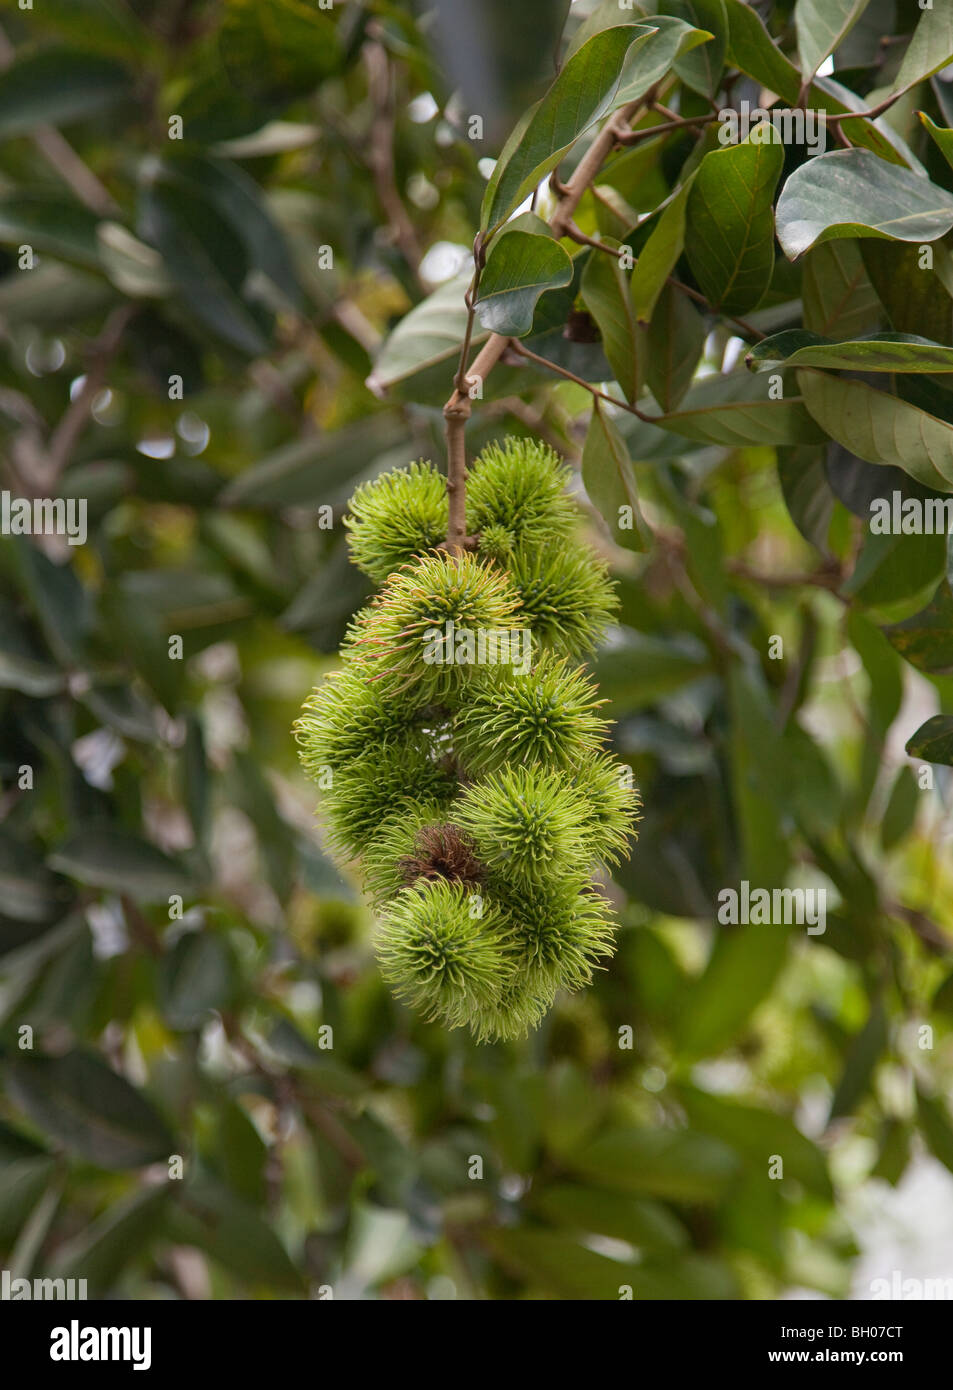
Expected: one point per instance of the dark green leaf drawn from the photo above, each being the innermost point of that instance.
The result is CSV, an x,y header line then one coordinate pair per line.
x,y
519,268
94,1113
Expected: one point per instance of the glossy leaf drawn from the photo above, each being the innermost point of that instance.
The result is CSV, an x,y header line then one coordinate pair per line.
x,y
610,482
730,232
606,293
94,1113
852,193
519,268
586,89
933,741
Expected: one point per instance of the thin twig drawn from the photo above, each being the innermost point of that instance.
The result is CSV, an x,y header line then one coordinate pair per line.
x,y
635,137
60,155
381,155
74,419
518,347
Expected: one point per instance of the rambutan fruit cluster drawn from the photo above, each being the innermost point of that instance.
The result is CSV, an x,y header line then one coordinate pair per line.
x,y
460,748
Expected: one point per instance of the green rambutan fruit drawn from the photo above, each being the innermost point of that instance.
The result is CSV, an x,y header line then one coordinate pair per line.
x,y
395,517
420,843
497,543
565,594
519,487
547,715
346,715
381,783
415,634
476,799
613,803
441,957
526,823
512,1014
559,932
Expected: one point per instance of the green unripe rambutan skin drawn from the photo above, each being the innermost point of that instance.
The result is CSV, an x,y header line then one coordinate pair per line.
x,y
559,932
525,822
379,784
443,959
512,1014
565,595
613,803
547,715
346,715
476,800
404,634
519,487
396,517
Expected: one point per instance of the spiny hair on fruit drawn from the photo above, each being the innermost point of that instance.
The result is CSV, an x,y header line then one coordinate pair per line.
x,y
472,786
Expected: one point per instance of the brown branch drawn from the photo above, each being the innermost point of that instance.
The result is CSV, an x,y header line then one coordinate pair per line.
x,y
635,137
381,155
456,412
577,380
60,155
74,419
748,328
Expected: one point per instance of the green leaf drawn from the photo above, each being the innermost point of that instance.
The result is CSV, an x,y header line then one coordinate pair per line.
x,y
519,268
853,193
881,428
24,1182
839,300
571,1271
56,86
900,812
239,201
647,1225
730,232
674,1165
744,964
79,1102
821,26
48,222
28,891
917,298
701,69
205,259
933,741
864,1053
605,292
753,52
878,352
660,254
232,1233
941,136
585,91
641,667
108,858
572,1109
195,977
610,482
936,1127
122,1234
926,639
650,63
429,336
307,472
676,339
930,49
757,1133
726,410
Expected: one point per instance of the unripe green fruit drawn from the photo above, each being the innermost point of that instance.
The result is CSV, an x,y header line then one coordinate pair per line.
x,y
477,798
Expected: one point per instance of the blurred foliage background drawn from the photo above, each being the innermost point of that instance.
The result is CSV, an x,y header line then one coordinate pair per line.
x,y
192,351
